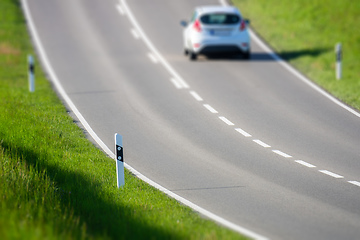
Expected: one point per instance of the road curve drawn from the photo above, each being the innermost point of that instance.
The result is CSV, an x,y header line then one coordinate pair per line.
x,y
246,140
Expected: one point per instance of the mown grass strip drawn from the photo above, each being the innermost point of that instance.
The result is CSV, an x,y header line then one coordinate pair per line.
x,y
54,183
305,33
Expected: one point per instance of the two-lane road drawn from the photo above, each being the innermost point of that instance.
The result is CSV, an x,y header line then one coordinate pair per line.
x,y
246,140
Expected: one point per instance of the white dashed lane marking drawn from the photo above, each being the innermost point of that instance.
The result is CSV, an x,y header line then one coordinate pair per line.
x,y
305,164
331,174
196,96
176,83
135,33
245,134
149,44
282,154
355,183
261,143
227,121
153,58
120,9
179,83
210,108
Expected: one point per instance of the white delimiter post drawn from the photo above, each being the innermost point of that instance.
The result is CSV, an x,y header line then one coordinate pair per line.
x,y
338,53
119,157
31,73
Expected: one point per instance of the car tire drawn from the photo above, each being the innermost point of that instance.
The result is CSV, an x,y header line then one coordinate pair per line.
x,y
247,55
186,52
192,56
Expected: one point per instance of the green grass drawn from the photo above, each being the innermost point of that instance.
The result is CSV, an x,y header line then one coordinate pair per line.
x,y
54,184
305,33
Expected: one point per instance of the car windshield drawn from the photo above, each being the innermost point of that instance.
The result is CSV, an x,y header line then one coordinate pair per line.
x,y
220,18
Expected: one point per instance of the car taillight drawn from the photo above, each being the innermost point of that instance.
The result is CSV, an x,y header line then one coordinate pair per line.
x,y
242,25
197,26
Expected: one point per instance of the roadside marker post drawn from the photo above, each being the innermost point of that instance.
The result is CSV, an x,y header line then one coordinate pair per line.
x,y
31,73
119,157
338,54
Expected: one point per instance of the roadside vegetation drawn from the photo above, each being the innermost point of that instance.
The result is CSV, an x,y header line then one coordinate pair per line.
x,y
305,33
54,184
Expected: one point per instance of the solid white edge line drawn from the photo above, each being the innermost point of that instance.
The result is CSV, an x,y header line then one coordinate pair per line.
x,y
195,207
355,183
302,77
331,174
282,154
292,70
245,134
55,80
227,121
151,46
58,86
210,108
196,96
305,163
261,143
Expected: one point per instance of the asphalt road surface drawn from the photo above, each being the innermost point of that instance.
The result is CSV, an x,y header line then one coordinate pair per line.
x,y
246,140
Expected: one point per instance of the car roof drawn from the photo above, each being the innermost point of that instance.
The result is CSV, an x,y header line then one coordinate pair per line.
x,y
217,8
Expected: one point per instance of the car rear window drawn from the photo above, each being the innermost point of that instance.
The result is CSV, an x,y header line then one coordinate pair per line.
x,y
220,18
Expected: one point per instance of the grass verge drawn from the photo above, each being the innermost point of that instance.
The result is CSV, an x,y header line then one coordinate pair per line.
x,y
305,33
54,183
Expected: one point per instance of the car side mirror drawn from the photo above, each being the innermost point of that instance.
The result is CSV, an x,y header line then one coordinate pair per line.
x,y
247,22
184,23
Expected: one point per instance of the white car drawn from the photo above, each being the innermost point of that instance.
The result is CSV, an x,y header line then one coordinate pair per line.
x,y
216,29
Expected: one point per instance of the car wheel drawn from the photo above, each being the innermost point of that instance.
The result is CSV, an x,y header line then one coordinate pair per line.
x,y
247,55
192,56
186,52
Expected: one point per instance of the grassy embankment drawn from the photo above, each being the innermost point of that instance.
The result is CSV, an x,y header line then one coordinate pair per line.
x,y
305,33
54,184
